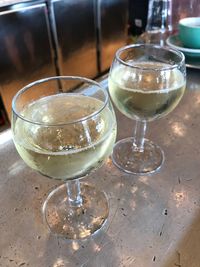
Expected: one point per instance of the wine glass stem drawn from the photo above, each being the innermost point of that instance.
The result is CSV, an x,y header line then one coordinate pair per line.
x,y
139,134
74,193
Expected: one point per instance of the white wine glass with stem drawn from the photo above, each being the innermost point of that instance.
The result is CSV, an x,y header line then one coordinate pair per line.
x,y
146,82
65,128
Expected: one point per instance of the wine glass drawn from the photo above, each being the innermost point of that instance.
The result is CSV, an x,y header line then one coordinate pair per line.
x,y
64,128
146,82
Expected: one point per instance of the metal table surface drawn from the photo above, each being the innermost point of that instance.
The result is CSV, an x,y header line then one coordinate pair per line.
x,y
154,220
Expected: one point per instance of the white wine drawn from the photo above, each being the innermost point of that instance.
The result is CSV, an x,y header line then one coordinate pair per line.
x,y
62,144
146,94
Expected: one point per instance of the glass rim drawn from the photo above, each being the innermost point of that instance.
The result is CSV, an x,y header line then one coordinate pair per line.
x,y
83,79
175,51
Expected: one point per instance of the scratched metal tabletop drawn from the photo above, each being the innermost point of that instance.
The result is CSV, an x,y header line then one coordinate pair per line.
x,y
154,220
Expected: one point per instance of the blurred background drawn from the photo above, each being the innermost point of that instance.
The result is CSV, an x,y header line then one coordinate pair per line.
x,y
65,37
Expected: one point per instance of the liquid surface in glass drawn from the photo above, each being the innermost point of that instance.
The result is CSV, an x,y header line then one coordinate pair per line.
x,y
67,150
146,94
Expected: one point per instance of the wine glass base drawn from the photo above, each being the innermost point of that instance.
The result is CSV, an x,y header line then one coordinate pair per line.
x,y
134,162
75,222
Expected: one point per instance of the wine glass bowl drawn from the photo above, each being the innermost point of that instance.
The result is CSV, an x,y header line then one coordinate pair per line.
x,y
65,128
146,82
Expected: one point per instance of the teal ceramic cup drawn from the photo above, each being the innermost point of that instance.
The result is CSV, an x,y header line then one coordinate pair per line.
x,y
189,32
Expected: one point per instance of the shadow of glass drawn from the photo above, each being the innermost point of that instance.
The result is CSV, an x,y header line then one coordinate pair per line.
x,y
98,250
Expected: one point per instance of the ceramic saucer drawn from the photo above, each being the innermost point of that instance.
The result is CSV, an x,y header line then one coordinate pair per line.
x,y
192,56
175,42
192,62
